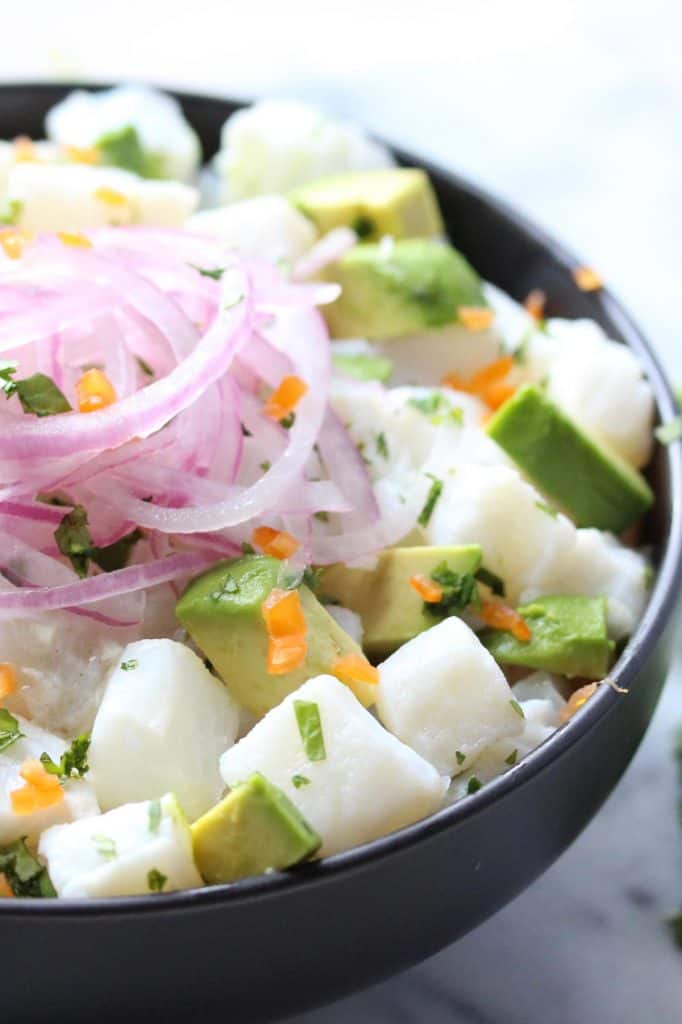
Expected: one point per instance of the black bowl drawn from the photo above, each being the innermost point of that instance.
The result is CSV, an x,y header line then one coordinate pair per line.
x,y
269,946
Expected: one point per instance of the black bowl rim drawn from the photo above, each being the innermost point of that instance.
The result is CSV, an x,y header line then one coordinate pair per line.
x,y
659,609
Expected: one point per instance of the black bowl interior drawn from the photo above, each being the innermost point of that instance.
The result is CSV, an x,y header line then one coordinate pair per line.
x,y
516,256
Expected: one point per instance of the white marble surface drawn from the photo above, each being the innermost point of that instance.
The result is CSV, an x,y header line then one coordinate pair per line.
x,y
571,111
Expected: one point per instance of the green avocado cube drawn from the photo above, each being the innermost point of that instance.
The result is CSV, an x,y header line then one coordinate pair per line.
x,y
254,829
389,290
392,612
569,637
396,201
222,612
593,485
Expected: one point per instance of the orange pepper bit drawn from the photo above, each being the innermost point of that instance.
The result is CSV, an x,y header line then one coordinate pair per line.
x,y
8,680
534,303
576,701
354,668
81,155
94,391
75,239
25,150
5,889
588,280
285,398
429,591
501,616
277,543
488,384
41,789
286,627
475,318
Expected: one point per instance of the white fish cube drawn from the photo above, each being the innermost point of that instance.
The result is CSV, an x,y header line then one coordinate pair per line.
x,y
133,850
266,227
163,722
443,694
369,783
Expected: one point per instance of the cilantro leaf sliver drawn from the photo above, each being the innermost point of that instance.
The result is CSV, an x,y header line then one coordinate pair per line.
x,y
122,147
492,580
299,780
517,708
7,371
363,367
40,395
74,540
547,509
432,497
675,926
512,758
9,729
215,273
428,404
310,728
130,665
73,764
156,880
154,815
669,431
382,445
117,555
473,785
105,846
458,591
460,757
25,875
10,211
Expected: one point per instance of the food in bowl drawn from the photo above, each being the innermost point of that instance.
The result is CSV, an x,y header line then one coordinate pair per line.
x,y
307,530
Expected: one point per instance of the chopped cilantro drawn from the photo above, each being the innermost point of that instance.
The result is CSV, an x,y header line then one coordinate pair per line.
x,y
512,758
363,226
74,540
7,371
9,729
669,431
288,421
216,273
156,880
105,846
517,708
434,494
38,394
247,549
245,431
675,926
117,555
382,446
310,728
492,580
429,404
122,148
546,508
454,415
311,577
460,757
154,815
130,665
265,466
363,367
299,780
10,211
323,517
144,366
73,764
473,785
25,875
459,591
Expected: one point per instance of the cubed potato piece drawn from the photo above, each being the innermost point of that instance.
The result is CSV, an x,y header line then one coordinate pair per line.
x,y
444,695
162,725
135,849
367,785
266,228
79,796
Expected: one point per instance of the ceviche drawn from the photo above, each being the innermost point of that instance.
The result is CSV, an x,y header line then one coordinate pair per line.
x,y
306,530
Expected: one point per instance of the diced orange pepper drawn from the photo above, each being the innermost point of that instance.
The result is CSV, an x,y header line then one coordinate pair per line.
x,y
475,318
488,384
588,280
283,614
501,616
41,789
285,398
534,303
354,668
277,543
34,773
111,197
286,654
576,701
75,239
5,888
81,155
95,391
497,393
8,680
427,589
491,373
25,150
13,242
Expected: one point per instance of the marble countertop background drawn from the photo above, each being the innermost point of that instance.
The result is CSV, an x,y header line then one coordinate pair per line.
x,y
572,112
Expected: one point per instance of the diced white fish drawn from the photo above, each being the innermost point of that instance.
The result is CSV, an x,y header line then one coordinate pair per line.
x,y
265,227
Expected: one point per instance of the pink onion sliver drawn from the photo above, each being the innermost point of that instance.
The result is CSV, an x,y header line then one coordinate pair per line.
x,y
330,248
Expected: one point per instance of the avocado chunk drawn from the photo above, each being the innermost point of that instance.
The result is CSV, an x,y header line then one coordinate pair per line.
x,y
592,484
389,290
569,637
397,201
222,612
254,829
392,612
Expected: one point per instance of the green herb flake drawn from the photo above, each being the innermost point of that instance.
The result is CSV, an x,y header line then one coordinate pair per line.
x,y
122,148
144,366
299,780
10,211
247,549
73,764
322,517
517,708
74,540
434,494
492,580
39,395
265,466
547,509
675,925
512,758
312,577
459,591
460,757
429,404
455,415
156,880
105,846
310,728
245,431
363,367
473,785
154,815
669,431
130,665
25,875
117,555
382,445
9,729
363,226
288,421
7,371
215,273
